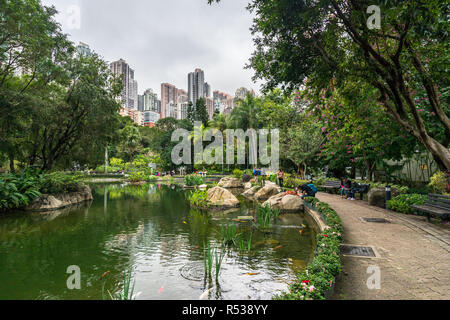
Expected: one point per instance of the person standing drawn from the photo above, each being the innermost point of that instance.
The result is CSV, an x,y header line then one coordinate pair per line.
x,y
280,176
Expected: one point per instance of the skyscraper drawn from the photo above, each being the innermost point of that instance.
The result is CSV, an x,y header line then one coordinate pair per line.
x,y
207,90
121,68
129,98
168,96
196,85
150,101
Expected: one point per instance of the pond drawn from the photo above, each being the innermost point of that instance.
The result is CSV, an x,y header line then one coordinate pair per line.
x,y
151,230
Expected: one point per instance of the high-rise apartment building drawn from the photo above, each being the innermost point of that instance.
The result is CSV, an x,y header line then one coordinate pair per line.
x,y
182,104
150,101
122,69
196,85
207,90
168,96
210,107
129,97
133,94
222,101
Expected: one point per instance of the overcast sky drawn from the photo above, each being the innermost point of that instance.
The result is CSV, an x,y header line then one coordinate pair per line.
x,y
164,40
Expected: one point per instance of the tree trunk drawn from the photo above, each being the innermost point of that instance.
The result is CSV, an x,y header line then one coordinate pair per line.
x,y
11,163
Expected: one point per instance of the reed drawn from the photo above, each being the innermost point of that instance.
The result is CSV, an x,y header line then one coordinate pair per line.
x,y
219,255
229,233
208,257
266,216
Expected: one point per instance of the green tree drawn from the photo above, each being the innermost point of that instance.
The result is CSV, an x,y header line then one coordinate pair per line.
x,y
329,43
301,144
131,141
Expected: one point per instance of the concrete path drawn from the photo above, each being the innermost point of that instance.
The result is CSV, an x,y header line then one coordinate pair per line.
x,y
413,255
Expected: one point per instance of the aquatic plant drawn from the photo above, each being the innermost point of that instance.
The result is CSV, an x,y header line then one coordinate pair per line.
x,y
213,255
198,198
266,216
208,256
219,255
244,243
127,290
229,233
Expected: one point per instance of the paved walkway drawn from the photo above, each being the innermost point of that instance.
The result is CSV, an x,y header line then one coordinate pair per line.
x,y
414,255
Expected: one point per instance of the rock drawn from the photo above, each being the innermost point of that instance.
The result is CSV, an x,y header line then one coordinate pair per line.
x,y
288,203
270,183
267,191
246,178
247,185
202,186
274,202
230,182
250,193
221,197
377,196
48,202
245,218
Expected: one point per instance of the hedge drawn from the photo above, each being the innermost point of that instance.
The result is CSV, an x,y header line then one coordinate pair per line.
x,y
317,280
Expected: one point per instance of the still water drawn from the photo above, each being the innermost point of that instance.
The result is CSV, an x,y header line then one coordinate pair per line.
x,y
152,230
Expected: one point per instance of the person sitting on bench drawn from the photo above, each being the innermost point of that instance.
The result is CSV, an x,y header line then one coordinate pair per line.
x,y
307,190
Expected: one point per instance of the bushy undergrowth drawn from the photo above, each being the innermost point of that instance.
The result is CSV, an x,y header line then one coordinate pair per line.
x,y
198,198
319,276
238,173
193,180
18,190
402,203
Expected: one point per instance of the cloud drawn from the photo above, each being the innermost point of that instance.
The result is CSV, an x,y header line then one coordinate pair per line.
x,y
164,40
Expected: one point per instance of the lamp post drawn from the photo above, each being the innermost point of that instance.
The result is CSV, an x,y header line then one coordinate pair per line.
x,y
388,194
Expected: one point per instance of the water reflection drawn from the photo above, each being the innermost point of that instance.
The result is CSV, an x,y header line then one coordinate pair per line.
x,y
151,229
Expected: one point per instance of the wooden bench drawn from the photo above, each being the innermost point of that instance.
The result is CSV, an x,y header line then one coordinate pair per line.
x,y
436,205
331,185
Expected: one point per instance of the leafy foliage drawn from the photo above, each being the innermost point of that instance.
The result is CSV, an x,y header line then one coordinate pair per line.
x,y
316,281
402,203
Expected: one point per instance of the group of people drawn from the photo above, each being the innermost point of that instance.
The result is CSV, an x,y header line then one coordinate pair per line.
x,y
347,189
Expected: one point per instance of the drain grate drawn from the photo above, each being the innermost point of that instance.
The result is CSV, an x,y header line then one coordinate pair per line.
x,y
377,220
358,251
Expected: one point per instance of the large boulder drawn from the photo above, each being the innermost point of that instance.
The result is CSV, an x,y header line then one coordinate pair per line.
x,y
230,182
250,193
247,185
48,202
267,191
285,203
221,197
377,196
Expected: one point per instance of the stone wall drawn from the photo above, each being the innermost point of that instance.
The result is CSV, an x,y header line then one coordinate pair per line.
x,y
49,202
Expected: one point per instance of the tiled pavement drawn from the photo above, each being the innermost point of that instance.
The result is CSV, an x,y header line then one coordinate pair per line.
x,y
414,255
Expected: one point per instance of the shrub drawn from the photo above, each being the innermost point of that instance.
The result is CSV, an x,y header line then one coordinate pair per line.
x,y
111,169
318,278
138,176
237,173
439,182
198,198
402,203
17,191
59,182
117,163
193,180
